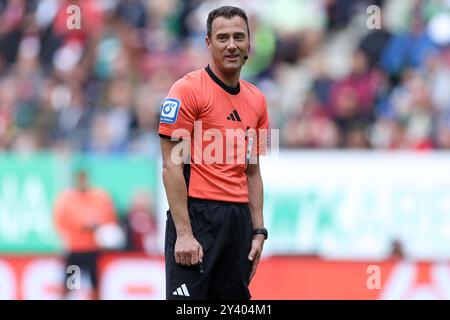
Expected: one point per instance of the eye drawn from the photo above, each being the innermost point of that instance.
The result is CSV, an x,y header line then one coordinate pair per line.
x,y
239,37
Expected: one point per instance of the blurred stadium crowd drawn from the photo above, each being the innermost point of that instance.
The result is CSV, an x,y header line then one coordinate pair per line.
x,y
330,81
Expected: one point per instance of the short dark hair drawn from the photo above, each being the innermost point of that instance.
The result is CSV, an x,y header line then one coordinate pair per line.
x,y
226,12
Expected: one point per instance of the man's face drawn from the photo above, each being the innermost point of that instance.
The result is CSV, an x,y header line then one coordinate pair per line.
x,y
228,43
82,182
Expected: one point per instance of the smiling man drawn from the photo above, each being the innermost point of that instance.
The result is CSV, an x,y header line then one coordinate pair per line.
x,y
215,231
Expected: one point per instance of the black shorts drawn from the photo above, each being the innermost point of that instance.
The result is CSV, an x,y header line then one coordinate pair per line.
x,y
225,233
87,262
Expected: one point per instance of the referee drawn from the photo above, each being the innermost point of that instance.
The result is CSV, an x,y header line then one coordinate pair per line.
x,y
215,231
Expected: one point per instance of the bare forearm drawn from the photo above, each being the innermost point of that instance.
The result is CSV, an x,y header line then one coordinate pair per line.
x,y
255,193
177,197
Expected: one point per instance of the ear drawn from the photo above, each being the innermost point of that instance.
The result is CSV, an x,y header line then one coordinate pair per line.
x,y
208,42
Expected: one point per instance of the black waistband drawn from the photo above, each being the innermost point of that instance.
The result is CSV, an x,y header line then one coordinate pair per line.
x,y
207,201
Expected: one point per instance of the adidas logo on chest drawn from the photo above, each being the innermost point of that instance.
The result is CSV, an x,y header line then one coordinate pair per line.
x,y
234,116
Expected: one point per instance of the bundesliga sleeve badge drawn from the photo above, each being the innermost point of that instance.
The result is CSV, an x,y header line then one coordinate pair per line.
x,y
169,111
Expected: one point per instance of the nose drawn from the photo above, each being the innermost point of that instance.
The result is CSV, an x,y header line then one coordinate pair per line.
x,y
231,44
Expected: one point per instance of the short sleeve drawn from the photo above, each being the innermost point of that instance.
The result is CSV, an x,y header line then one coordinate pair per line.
x,y
178,111
60,209
263,129
108,214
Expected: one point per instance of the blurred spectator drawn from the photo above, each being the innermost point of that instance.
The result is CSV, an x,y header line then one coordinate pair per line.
x,y
330,82
397,251
141,225
352,98
84,217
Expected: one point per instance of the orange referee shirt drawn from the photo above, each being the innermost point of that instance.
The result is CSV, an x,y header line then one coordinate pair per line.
x,y
75,214
200,107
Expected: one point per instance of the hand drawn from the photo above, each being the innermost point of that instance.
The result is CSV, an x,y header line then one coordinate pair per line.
x,y
188,250
255,253
89,227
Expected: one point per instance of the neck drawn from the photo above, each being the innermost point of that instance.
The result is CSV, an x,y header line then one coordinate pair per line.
x,y
230,79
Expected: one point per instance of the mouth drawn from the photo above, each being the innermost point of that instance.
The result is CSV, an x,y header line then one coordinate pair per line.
x,y
231,56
